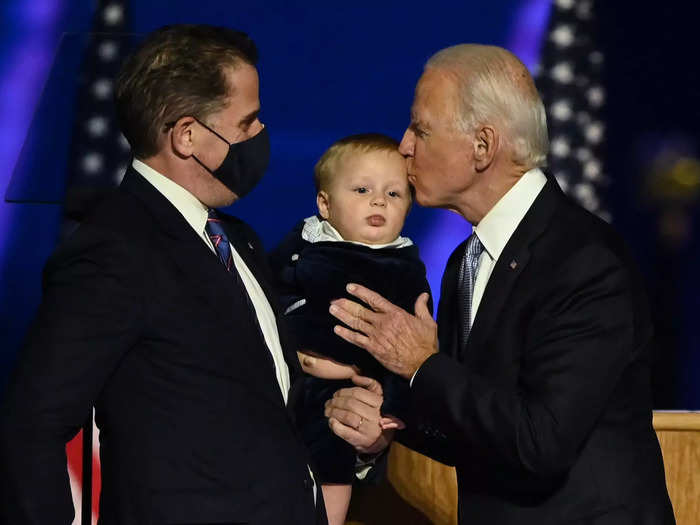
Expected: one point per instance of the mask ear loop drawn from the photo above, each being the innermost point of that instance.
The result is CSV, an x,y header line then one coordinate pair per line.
x,y
202,165
214,132
171,124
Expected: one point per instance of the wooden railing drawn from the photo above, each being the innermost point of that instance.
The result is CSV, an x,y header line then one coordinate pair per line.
x,y
421,491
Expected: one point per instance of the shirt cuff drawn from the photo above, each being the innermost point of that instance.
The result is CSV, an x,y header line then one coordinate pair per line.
x,y
410,383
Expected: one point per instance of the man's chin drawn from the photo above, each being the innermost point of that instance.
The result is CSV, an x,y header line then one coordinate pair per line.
x,y
221,199
423,200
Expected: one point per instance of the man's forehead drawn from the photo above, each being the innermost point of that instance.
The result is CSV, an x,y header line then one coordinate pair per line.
x,y
435,95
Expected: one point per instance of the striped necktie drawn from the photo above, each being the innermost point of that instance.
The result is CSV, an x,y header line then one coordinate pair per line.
x,y
219,239
465,286
215,230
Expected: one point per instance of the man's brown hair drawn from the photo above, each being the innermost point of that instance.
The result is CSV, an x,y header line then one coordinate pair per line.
x,y
178,71
363,143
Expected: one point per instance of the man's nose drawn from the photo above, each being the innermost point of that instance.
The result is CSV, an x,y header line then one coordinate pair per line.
x,y
255,128
407,143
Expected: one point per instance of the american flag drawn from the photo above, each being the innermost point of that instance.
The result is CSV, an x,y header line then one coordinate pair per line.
x,y
98,157
99,153
569,79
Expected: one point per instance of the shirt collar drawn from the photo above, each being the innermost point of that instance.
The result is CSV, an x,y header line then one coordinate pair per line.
x,y
499,224
316,230
194,212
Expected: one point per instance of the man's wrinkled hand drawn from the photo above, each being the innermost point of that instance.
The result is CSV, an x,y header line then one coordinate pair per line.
x,y
401,342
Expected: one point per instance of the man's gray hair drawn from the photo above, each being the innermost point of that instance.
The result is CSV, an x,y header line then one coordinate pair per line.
x,y
495,87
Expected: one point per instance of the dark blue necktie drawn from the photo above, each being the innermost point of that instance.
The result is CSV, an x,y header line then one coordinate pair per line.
x,y
465,285
219,239
215,230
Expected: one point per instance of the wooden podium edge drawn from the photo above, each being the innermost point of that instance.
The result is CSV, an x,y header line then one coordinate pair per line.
x,y
676,420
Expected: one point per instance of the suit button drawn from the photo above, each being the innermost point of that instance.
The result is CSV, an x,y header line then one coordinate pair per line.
x,y
308,484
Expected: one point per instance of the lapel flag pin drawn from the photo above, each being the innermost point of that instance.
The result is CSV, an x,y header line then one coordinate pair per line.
x,y
513,264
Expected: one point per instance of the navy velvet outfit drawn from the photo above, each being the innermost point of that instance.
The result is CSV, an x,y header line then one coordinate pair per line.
x,y
318,272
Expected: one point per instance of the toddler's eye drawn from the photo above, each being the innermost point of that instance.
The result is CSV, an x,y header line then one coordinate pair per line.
x,y
361,189
394,194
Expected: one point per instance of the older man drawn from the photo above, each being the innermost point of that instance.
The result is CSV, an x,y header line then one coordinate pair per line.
x,y
158,311
539,394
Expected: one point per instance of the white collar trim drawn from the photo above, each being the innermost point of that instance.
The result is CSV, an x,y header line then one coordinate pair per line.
x,y
316,230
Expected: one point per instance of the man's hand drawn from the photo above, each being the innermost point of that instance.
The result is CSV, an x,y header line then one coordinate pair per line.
x,y
398,340
353,414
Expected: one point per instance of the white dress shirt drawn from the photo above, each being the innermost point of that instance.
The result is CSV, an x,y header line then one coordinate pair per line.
x,y
499,224
196,214
497,227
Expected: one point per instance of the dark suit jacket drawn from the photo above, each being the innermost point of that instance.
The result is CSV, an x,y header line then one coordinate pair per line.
x,y
141,319
547,413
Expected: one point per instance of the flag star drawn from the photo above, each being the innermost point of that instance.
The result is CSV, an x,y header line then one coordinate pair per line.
x,y
594,132
102,88
113,14
565,4
591,170
108,50
560,147
596,96
97,126
563,73
92,163
561,110
563,36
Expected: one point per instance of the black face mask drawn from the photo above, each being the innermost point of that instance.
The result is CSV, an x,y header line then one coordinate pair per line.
x,y
244,164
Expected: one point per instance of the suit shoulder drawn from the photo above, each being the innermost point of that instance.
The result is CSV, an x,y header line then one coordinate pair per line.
x,y
110,231
575,229
120,212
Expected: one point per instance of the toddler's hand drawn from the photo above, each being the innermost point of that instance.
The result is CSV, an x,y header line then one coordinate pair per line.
x,y
325,367
388,422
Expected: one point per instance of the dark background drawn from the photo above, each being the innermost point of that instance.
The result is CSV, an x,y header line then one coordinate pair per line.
x,y
331,69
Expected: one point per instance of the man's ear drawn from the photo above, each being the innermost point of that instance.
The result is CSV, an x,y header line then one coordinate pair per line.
x,y
182,137
486,141
323,203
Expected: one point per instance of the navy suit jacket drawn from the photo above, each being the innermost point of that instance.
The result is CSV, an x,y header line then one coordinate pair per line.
x,y
140,319
546,413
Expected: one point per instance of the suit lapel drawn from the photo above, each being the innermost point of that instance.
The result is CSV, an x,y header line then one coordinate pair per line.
x,y
198,265
447,309
512,262
256,262
245,248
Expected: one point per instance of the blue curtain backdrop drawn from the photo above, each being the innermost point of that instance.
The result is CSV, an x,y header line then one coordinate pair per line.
x,y
327,70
